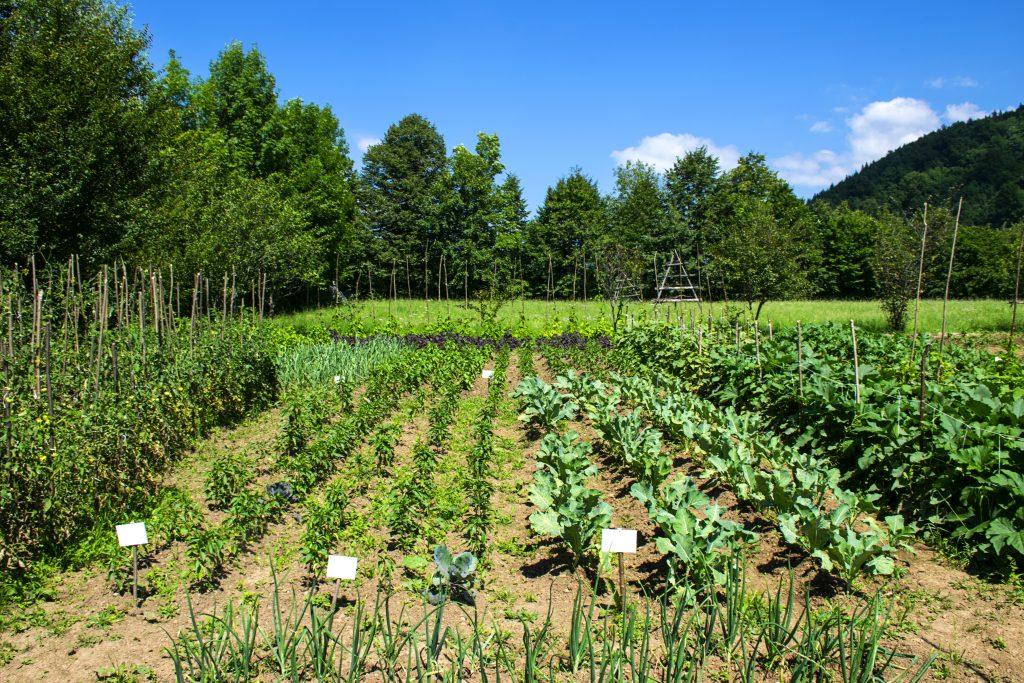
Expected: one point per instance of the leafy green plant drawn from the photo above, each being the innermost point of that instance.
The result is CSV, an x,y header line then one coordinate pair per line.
x,y
454,578
542,405
175,515
250,514
227,477
206,551
324,523
383,445
566,507
701,546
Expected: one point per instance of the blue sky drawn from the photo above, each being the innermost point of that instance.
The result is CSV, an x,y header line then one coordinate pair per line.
x,y
818,88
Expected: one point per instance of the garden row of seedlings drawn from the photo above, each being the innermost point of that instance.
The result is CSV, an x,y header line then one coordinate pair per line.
x,y
304,642
814,511
303,461
480,461
706,572
426,497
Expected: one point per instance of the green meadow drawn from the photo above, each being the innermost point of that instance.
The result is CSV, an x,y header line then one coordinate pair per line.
x,y
537,317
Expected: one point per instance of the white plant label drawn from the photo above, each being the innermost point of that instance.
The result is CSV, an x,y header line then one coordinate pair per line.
x,y
132,534
618,540
488,374
341,567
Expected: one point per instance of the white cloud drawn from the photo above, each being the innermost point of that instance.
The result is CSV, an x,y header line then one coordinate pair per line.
x,y
954,82
881,127
823,167
365,142
876,130
662,150
821,127
965,111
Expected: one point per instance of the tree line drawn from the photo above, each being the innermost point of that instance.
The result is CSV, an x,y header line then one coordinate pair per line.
x,y
103,156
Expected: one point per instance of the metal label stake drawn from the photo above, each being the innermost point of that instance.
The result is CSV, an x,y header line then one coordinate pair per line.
x,y
340,567
133,535
619,541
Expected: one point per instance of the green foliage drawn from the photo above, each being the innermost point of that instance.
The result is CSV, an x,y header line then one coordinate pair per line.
x,y
848,238
894,264
174,516
701,546
541,404
639,212
102,450
206,551
762,244
454,578
227,477
684,633
572,216
249,516
383,445
689,186
79,131
566,507
638,445
397,190
324,524
341,364
814,511
957,473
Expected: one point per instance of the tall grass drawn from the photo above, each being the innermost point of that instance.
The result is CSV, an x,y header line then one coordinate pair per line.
x,y
540,317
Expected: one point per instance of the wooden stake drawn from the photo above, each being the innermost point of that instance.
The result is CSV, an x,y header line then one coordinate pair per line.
x,y
757,348
920,400
49,393
622,581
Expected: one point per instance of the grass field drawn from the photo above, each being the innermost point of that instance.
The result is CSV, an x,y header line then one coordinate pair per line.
x,y
987,315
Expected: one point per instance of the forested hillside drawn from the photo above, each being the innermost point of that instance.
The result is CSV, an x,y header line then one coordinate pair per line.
x,y
107,157
981,160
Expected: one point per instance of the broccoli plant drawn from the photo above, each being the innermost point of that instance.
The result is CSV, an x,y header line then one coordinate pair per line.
x,y
567,507
701,544
639,446
542,405
454,578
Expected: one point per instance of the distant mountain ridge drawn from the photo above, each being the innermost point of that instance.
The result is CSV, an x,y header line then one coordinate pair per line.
x,y
981,160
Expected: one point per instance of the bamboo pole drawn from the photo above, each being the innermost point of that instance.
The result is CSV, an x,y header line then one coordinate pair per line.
x,y
1016,288
102,304
949,277
800,356
920,275
920,400
856,362
49,394
757,348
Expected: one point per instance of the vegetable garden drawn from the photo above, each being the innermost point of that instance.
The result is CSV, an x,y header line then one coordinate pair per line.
x,y
810,506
